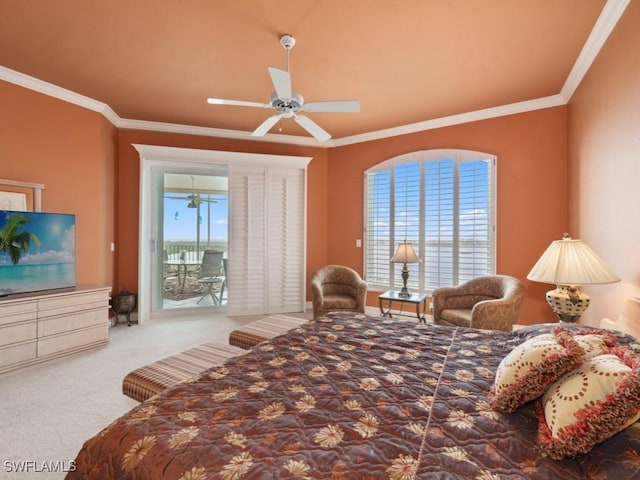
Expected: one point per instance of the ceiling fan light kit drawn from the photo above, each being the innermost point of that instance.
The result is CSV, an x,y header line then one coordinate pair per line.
x,y
288,103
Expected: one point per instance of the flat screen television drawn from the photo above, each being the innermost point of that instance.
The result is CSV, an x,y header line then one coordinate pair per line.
x,y
37,251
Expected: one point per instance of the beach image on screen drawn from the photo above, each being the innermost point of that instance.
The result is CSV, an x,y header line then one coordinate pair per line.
x,y
37,251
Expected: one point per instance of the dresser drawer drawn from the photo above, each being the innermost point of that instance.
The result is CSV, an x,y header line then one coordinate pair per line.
x,y
68,323
13,312
65,304
16,354
16,333
77,340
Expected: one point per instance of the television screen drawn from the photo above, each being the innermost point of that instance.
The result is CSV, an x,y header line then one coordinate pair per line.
x,y
37,251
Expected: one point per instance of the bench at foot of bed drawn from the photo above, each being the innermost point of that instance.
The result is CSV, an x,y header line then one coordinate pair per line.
x,y
251,334
146,381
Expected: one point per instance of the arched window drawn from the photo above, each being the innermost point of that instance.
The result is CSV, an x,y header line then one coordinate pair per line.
x,y
443,203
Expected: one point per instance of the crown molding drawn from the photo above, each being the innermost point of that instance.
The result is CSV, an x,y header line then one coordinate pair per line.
x,y
60,93
493,112
127,124
606,22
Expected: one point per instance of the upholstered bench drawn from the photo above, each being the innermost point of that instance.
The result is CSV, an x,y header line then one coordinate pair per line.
x,y
146,381
251,334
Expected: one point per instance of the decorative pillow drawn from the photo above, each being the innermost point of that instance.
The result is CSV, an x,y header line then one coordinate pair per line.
x,y
590,404
595,342
526,372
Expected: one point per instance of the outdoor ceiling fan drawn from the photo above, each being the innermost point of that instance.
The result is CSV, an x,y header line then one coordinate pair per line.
x,y
195,200
289,103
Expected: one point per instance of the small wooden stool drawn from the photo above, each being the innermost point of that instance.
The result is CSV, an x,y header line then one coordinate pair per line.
x,y
146,381
251,334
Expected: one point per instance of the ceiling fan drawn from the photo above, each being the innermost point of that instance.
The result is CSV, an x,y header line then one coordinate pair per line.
x,y
289,103
195,199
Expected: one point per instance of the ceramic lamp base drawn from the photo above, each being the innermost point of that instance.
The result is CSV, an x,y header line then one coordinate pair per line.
x,y
568,302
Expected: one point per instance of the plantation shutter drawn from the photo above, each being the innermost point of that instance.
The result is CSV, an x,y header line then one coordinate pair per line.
x,y
378,228
440,261
266,265
247,254
407,220
443,203
475,230
286,240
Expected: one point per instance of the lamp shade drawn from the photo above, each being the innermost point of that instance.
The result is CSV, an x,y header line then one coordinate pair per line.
x,y
405,254
571,262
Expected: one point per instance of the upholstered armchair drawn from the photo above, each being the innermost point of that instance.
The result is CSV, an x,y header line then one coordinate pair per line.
x,y
337,288
491,302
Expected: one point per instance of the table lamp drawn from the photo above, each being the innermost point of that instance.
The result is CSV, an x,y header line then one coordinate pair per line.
x,y
405,254
570,263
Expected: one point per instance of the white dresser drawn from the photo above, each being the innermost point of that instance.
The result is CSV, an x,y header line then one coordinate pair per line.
x,y
45,325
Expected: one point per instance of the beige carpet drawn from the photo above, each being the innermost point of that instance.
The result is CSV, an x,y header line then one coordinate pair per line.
x,y
47,411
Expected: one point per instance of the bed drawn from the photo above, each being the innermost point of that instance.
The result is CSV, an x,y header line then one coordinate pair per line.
x,y
348,396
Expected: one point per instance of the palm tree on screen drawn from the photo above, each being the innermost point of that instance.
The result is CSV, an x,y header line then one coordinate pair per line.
x,y
14,240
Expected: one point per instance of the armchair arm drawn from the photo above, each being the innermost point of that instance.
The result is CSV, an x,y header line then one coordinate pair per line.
x,y
316,296
361,294
496,314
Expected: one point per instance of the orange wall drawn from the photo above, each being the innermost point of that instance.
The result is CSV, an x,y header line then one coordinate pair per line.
x,y
532,203
71,151
604,153
90,169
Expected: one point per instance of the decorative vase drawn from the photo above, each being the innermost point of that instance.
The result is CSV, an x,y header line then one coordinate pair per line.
x,y
123,304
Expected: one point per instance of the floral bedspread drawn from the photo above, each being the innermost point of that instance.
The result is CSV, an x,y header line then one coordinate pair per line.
x,y
345,397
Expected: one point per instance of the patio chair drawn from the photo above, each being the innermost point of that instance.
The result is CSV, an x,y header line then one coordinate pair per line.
x,y
168,271
210,274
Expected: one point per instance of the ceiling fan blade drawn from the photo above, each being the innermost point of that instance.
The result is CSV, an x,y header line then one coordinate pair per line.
x,y
236,103
266,126
335,106
313,128
281,82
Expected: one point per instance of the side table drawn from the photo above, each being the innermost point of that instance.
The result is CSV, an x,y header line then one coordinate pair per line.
x,y
417,299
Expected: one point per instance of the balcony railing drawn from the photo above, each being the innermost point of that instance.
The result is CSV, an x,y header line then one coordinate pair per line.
x,y
190,248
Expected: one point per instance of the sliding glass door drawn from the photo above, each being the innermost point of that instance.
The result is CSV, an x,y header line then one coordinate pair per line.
x,y
194,220
184,195
188,216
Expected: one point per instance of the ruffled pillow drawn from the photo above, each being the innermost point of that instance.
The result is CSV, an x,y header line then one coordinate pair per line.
x,y
590,404
595,342
528,370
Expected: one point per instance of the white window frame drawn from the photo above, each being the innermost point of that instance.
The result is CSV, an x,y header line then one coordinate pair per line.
x,y
381,276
